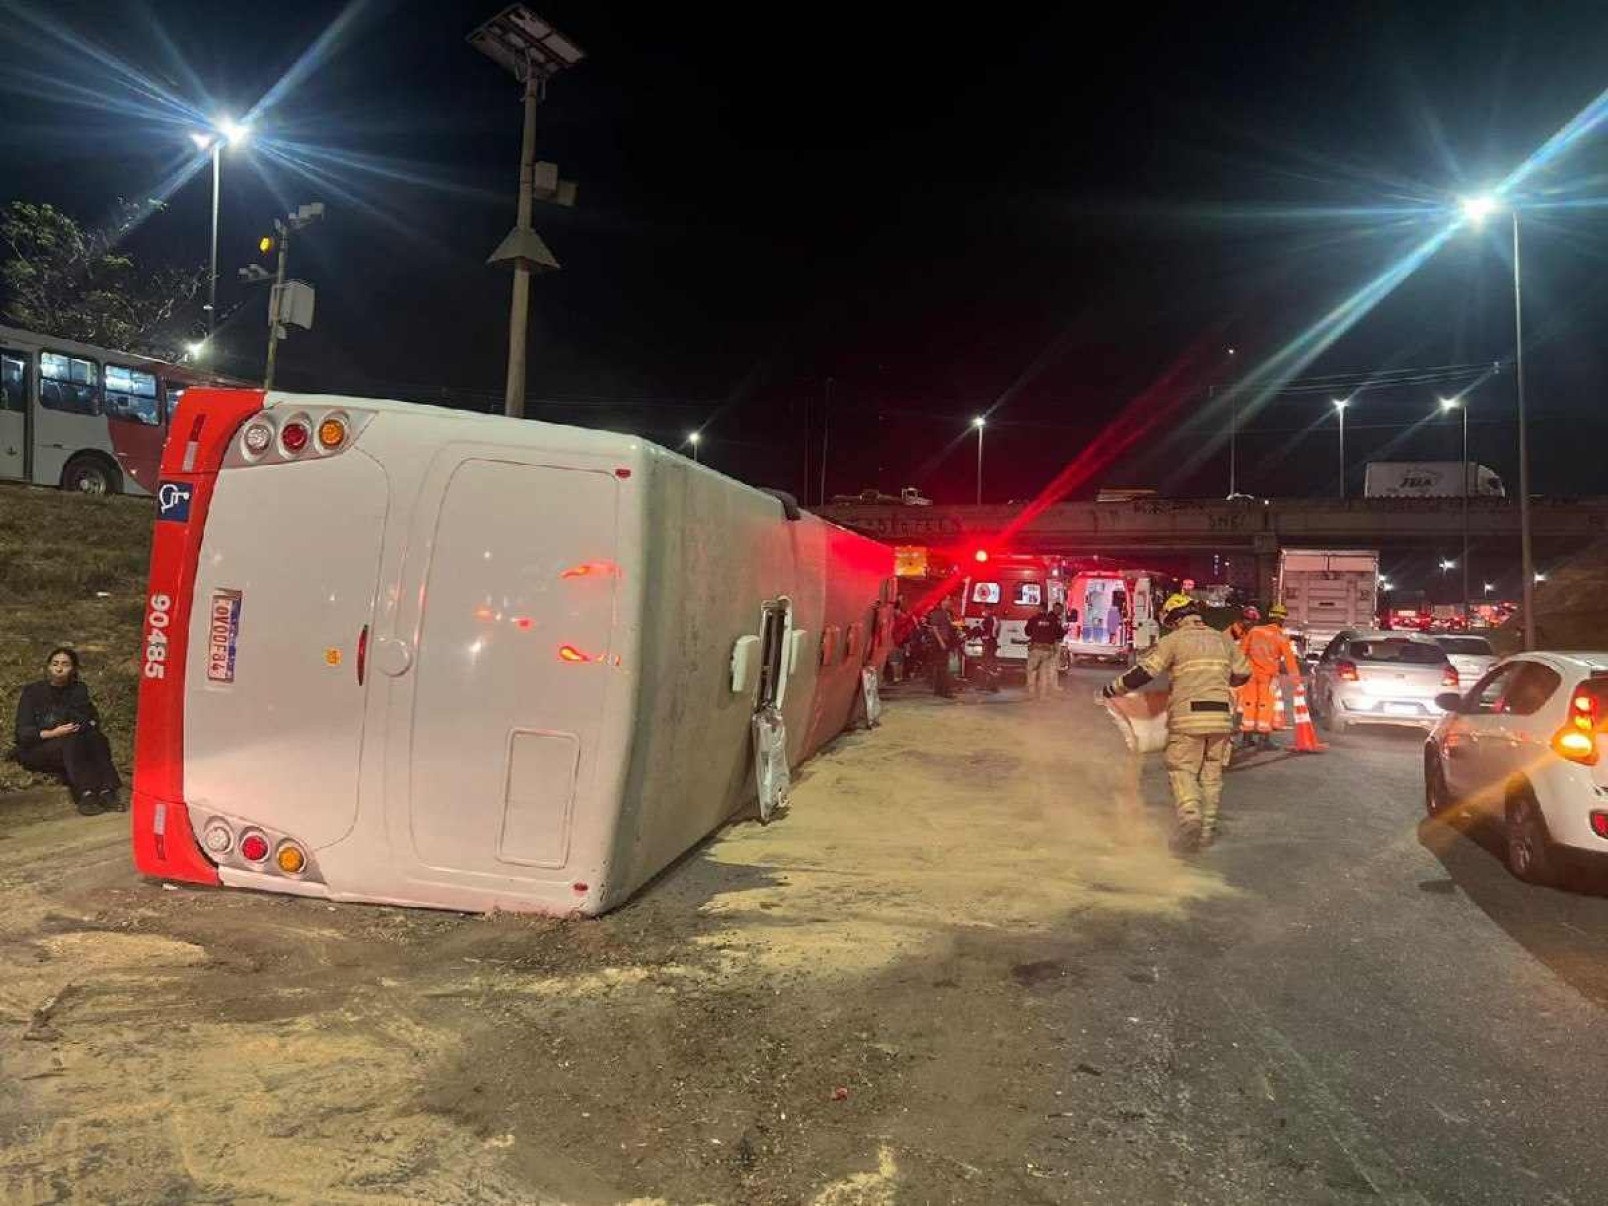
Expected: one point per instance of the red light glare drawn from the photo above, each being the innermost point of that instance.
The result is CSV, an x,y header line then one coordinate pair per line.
x,y
568,653
591,569
622,474
981,554
523,623
579,886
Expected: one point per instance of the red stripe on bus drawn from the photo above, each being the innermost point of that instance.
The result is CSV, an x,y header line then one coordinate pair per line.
x,y
164,843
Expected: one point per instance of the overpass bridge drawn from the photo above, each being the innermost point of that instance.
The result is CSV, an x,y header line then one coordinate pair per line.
x,y
1241,527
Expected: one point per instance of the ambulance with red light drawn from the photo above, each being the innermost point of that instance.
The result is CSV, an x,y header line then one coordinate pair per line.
x,y
418,656
1016,586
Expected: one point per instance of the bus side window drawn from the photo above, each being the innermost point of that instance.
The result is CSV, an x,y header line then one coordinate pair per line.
x,y
14,382
69,383
131,396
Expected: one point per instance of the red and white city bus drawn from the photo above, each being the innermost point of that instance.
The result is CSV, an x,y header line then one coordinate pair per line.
x,y
418,656
82,417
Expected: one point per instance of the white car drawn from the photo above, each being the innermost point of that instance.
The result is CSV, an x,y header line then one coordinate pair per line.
x,y
1472,655
1522,747
1380,678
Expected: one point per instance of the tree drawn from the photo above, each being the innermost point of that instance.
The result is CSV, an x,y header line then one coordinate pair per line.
x,y
61,279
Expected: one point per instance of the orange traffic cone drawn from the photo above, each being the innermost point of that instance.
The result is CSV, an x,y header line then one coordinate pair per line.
x,y
1306,737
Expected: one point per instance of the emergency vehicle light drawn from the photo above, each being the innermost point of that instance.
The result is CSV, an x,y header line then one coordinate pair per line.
x,y
981,555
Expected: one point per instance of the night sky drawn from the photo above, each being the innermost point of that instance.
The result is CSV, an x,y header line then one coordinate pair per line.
x,y
1059,219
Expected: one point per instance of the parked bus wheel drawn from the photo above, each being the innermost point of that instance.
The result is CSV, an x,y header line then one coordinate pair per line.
x,y
91,474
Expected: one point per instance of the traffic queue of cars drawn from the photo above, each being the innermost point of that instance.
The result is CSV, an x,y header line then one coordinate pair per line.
x,y
1513,744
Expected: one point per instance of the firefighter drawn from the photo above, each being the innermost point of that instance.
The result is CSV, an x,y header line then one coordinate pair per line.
x,y
1205,667
1270,654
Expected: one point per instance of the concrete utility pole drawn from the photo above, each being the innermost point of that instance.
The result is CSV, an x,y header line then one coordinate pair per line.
x,y
533,52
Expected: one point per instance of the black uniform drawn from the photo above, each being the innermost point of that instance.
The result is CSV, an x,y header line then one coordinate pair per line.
x,y
988,634
84,757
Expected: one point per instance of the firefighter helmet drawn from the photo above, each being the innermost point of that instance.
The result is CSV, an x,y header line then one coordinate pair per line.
x,y
1176,608
1277,612
1251,615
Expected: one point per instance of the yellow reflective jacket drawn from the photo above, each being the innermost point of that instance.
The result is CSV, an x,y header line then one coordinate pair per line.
x,y
1205,667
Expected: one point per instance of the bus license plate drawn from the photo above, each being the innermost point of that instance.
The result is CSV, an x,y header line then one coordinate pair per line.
x,y
223,633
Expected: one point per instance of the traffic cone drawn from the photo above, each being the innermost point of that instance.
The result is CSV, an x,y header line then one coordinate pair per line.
x,y
1306,737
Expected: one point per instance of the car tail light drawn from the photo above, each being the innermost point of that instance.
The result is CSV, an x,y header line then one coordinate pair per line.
x,y
294,435
1577,739
1449,676
1346,671
254,847
1599,824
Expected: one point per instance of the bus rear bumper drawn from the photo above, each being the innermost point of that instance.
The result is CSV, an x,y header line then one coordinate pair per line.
x,y
165,845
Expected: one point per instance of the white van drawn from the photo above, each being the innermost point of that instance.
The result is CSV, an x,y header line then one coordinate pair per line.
x,y
419,656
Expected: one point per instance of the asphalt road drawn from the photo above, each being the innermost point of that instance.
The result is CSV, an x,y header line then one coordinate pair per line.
x,y
963,968
1377,1011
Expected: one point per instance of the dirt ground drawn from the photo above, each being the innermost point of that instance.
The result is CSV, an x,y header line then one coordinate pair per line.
x,y
862,1003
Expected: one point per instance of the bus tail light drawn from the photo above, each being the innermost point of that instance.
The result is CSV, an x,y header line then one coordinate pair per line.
x,y
218,839
291,859
1346,671
1577,739
294,435
331,433
254,847
258,437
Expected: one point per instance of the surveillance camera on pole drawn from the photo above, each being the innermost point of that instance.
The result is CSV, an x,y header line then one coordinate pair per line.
x,y
290,303
533,52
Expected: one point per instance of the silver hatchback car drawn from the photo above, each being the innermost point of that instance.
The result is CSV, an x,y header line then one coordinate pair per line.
x,y
1381,678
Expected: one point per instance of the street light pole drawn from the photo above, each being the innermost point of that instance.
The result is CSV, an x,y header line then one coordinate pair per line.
x,y
1340,411
519,306
694,438
978,423
1525,554
1458,404
212,273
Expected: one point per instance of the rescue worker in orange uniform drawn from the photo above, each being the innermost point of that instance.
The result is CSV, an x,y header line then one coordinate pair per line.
x,y
1205,667
1249,619
1270,654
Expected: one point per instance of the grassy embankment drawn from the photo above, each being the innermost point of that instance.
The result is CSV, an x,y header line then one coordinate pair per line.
x,y
72,572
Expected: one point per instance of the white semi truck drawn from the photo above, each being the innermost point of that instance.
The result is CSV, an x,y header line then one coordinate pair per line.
x,y
1326,591
1428,479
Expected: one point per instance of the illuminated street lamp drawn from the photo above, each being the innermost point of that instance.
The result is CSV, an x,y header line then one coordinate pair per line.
x,y
533,52
1340,405
1476,210
226,132
1447,564
979,423
694,439
1489,587
1447,405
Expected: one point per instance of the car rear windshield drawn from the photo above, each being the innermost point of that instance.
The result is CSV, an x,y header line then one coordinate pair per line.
x,y
1401,653
1477,646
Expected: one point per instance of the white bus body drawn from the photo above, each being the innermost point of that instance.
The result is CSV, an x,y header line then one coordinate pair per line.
x,y
83,417
466,662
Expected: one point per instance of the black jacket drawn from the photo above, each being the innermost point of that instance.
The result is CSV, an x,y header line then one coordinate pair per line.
x,y
42,706
1044,629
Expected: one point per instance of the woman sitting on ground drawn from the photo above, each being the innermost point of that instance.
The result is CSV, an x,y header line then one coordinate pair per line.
x,y
58,732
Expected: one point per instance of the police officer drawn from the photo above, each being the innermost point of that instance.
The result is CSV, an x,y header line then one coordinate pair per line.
x,y
1205,667
1044,633
987,633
